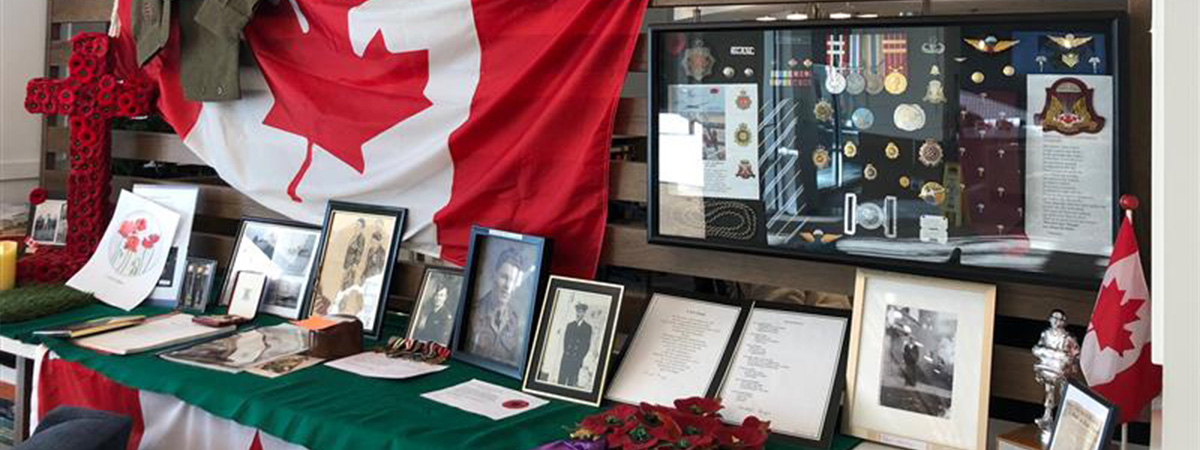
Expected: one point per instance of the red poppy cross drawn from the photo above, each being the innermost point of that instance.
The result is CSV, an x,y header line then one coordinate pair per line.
x,y
91,96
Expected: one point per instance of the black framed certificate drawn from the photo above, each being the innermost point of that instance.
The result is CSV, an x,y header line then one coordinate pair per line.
x,y
1085,420
787,368
677,351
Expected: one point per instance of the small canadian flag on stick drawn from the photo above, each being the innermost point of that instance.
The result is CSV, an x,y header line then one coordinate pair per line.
x,y
1116,350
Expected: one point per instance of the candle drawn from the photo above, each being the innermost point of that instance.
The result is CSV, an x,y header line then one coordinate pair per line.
x,y
8,265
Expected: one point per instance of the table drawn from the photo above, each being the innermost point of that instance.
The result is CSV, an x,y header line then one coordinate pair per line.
x,y
322,408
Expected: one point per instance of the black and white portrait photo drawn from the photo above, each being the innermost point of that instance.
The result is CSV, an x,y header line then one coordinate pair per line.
x,y
498,316
357,249
574,339
284,251
49,226
918,360
434,315
577,324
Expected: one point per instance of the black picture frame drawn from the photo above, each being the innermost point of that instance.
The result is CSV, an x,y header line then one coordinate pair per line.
x,y
544,332
419,305
196,291
1110,420
726,353
372,328
838,388
236,266
538,274
1115,23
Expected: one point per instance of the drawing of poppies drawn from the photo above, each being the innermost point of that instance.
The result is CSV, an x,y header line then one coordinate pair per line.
x,y
133,250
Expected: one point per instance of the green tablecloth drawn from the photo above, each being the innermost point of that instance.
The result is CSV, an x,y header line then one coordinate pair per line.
x,y
326,409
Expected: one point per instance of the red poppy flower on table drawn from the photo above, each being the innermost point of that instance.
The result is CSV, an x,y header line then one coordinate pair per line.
x,y
632,436
37,196
752,434
699,405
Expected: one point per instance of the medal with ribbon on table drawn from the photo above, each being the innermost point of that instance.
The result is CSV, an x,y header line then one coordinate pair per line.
x,y
895,54
835,59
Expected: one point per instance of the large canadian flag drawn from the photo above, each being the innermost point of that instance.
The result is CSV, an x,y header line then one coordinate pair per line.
x,y
497,113
1116,350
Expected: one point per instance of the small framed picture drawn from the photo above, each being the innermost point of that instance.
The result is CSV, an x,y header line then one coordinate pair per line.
x,y
282,250
437,307
355,256
49,224
247,293
504,274
1085,420
920,361
573,343
196,291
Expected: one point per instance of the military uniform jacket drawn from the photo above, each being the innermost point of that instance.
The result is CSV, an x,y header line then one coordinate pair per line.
x,y
209,35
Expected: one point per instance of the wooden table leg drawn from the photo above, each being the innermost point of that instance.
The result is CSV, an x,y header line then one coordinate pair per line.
x,y
23,400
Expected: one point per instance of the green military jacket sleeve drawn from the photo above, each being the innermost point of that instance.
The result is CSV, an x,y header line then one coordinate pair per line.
x,y
208,66
225,18
151,23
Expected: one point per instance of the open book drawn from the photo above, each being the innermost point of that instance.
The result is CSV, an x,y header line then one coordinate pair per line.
x,y
155,333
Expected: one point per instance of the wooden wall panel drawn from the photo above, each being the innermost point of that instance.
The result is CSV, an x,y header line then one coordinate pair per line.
x,y
627,181
631,119
80,10
140,145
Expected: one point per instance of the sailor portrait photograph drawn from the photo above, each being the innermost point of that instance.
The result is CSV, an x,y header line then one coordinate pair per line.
x,y
574,339
434,315
353,267
918,360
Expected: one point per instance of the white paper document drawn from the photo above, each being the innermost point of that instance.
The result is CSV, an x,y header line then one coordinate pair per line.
x,y
486,399
129,261
676,352
379,365
182,200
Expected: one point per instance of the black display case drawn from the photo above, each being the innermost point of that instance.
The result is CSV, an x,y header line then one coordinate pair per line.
x,y
979,147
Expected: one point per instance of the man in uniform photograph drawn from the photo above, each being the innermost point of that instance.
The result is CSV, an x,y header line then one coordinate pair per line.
x,y
577,340
496,329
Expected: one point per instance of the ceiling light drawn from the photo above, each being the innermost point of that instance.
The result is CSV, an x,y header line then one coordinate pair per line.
x,y
840,15
766,19
868,16
797,16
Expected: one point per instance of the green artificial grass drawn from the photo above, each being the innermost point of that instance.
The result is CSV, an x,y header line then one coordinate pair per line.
x,y
39,300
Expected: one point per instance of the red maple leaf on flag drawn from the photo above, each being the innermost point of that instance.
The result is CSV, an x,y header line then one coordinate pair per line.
x,y
325,92
1111,316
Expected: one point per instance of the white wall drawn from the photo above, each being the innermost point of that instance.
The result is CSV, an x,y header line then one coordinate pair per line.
x,y
22,57
1175,283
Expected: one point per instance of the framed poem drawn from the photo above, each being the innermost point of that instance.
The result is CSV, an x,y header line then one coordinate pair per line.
x,y
1085,420
437,307
801,139
679,349
919,367
285,252
788,367
505,272
573,342
196,290
49,223
355,255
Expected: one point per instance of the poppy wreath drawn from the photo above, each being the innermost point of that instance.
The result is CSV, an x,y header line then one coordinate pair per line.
x,y
91,96
692,424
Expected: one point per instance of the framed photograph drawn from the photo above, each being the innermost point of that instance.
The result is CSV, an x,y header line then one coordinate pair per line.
x,y
437,307
505,272
920,361
573,343
247,293
788,368
49,224
679,349
285,252
196,290
1085,420
354,261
